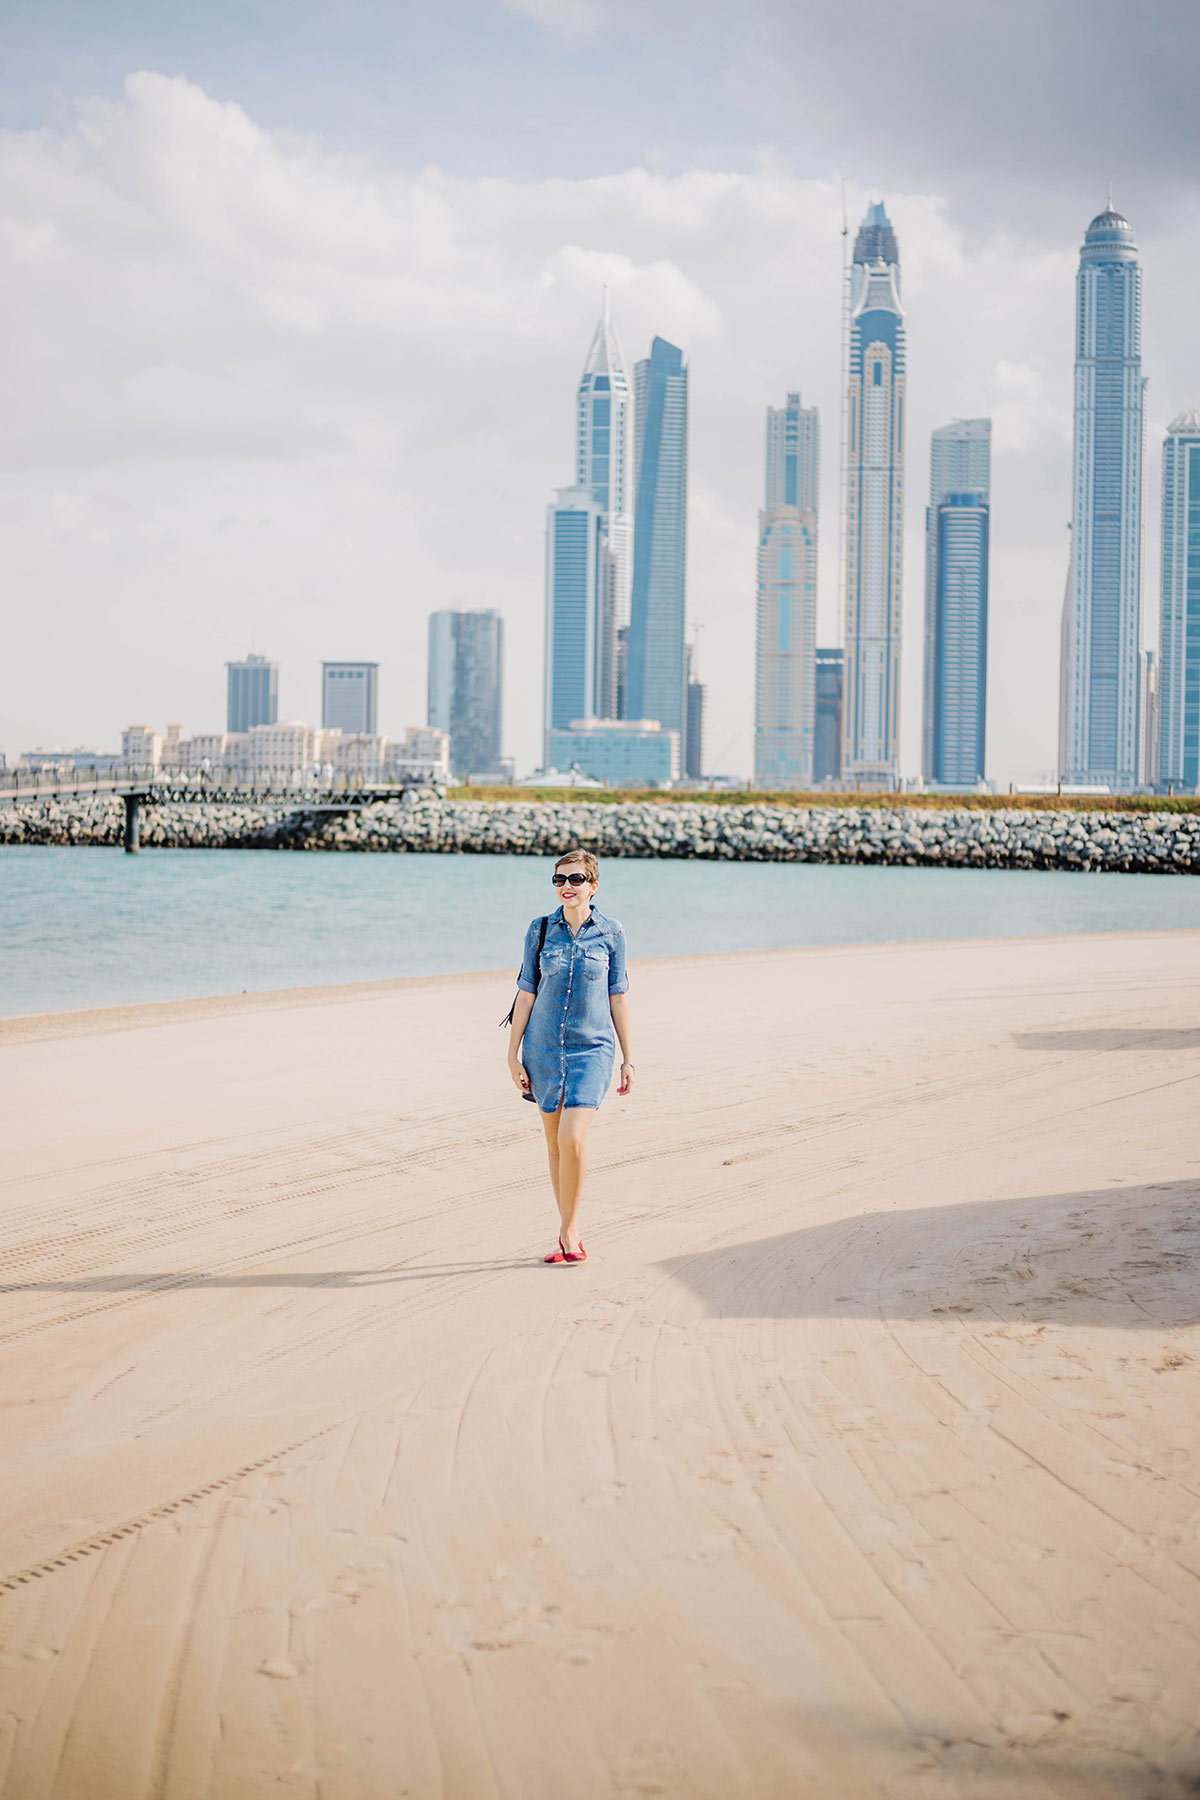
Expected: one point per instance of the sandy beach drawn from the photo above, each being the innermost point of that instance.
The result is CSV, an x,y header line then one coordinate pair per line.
x,y
861,1459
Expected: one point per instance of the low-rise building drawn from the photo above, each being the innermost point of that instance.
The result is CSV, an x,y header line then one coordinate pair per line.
x,y
422,754
354,756
618,752
141,747
282,752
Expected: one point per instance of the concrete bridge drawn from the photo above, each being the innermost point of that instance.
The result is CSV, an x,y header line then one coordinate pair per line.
x,y
141,787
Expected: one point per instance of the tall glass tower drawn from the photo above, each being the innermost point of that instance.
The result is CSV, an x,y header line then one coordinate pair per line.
x,y
466,686
785,690
956,603
655,684
874,505
603,464
575,555
1179,659
956,702
252,694
1104,597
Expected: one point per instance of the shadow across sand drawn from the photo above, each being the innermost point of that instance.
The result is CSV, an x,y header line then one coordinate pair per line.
x,y
332,1278
1122,1256
1052,1752
1117,1037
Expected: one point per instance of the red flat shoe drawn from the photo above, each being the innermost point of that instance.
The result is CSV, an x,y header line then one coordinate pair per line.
x,y
558,1255
579,1255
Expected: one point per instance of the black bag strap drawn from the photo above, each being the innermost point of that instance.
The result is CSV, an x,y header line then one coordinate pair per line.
x,y
537,972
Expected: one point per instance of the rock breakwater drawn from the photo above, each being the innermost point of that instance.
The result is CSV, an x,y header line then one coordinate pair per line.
x,y
1162,842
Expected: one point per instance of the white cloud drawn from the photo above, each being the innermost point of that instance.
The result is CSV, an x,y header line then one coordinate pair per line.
x,y
262,390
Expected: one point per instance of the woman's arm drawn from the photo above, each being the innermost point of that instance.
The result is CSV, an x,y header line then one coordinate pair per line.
x,y
618,1006
522,1008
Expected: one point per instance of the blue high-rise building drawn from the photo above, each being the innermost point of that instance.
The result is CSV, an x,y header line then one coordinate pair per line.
x,y
956,596
1179,652
1102,622
957,701
655,679
350,697
827,745
466,686
874,506
575,553
251,694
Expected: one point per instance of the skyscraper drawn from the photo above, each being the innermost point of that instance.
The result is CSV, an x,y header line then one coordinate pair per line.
x,y
874,505
603,456
466,687
1103,616
1149,723
575,559
697,706
956,704
350,697
1179,655
785,692
589,546
251,693
827,747
793,472
655,676
956,599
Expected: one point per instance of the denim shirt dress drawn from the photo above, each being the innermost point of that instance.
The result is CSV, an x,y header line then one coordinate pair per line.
x,y
569,1043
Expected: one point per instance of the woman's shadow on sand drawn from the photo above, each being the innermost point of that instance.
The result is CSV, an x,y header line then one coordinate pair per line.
x,y
1123,1256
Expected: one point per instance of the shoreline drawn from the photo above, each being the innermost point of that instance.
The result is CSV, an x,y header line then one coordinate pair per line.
x,y
91,1021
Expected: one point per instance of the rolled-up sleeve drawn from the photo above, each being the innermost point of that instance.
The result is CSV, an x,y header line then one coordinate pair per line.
x,y
618,978
527,979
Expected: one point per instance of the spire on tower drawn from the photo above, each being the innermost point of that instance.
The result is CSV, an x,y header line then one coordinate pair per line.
x,y
605,356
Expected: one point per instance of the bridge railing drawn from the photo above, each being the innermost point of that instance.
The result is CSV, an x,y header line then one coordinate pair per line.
x,y
32,784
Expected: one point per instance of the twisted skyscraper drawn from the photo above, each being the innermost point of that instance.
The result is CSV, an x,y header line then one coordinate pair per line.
x,y
656,679
874,505
1102,617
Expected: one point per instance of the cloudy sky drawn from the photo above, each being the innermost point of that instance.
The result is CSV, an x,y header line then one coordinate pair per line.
x,y
295,300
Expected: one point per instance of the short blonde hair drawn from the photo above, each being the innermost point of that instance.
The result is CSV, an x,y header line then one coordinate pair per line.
x,y
585,859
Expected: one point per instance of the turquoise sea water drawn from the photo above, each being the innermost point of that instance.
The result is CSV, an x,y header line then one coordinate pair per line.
x,y
89,927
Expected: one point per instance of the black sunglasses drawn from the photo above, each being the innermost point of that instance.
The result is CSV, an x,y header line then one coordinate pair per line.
x,y
575,880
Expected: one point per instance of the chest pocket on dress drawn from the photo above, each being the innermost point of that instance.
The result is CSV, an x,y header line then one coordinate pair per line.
x,y
595,965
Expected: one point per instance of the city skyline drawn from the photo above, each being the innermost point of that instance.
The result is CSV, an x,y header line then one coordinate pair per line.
x,y
179,606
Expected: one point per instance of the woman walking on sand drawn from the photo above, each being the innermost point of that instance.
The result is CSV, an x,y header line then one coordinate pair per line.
x,y
572,997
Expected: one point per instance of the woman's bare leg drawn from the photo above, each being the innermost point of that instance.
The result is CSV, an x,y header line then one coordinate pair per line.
x,y
574,1123
550,1127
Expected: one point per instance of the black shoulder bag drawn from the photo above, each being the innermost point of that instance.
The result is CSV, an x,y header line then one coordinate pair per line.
x,y
537,976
